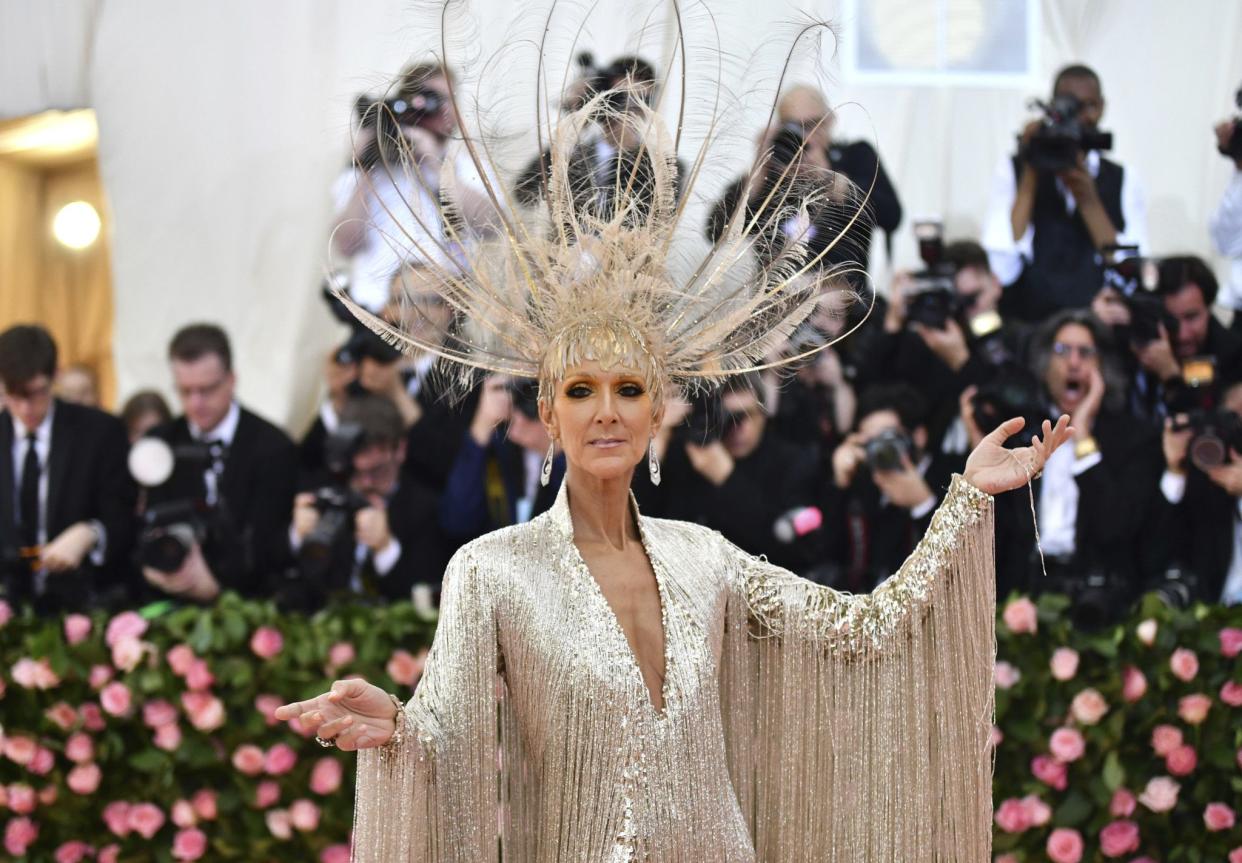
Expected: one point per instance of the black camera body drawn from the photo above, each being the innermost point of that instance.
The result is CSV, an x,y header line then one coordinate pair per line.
x,y
708,421
1061,137
933,299
403,110
337,503
170,529
1214,433
1134,278
888,449
1012,391
788,144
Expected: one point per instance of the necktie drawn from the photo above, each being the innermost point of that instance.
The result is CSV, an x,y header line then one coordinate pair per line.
x,y
215,469
28,498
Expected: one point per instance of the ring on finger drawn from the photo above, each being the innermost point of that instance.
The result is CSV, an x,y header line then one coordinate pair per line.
x,y
326,744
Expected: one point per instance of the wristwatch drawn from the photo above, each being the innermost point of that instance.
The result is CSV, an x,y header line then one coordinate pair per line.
x,y
1085,447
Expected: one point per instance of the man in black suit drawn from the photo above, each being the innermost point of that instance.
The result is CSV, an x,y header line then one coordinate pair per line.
x,y
393,542
244,481
66,498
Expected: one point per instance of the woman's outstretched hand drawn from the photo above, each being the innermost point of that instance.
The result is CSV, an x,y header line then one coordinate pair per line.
x,y
993,469
354,713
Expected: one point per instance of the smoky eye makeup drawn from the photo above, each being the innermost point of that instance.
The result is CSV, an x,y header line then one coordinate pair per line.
x,y
577,389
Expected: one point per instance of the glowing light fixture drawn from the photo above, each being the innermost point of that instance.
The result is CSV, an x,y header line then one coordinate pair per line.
x,y
76,225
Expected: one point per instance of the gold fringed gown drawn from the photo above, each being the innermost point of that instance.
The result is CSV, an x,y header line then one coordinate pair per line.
x,y
800,723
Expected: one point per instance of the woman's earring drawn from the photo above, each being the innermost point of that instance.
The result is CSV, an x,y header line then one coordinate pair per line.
x,y
545,475
653,464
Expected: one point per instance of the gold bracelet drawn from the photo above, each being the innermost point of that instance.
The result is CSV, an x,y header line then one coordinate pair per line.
x,y
1085,447
398,728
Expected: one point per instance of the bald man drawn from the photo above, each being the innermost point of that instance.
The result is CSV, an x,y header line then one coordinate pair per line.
x,y
785,174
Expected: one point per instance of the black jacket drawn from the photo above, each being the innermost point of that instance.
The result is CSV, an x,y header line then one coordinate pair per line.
x,y
88,480
249,546
1194,535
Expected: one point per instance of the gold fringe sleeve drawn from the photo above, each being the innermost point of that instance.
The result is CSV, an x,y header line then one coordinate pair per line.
x,y
435,796
858,727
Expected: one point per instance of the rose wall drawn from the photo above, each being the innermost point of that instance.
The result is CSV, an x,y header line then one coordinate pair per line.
x,y
135,739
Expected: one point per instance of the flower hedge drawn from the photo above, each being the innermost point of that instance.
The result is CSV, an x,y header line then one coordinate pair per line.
x,y
150,737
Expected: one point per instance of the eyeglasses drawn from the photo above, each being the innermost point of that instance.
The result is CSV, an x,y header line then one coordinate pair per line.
x,y
1086,352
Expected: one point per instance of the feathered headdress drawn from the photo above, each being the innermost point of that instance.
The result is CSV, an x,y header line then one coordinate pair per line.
x,y
578,279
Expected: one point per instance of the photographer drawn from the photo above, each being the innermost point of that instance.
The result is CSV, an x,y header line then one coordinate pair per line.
x,y
1092,497
66,499
494,480
1225,224
239,483
388,202
612,159
1193,545
722,468
1057,204
799,159
387,541
883,489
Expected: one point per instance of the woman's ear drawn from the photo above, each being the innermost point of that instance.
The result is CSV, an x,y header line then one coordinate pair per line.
x,y
657,419
547,418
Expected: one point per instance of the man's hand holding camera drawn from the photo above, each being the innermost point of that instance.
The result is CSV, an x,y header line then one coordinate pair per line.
x,y
712,461
495,405
949,344
194,580
1157,356
846,459
904,487
371,525
1228,475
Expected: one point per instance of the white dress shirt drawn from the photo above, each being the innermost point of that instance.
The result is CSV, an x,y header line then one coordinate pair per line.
x,y
1225,227
1173,487
223,433
1008,256
1058,499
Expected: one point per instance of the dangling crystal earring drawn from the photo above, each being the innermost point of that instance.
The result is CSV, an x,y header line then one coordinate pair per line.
x,y
653,464
545,475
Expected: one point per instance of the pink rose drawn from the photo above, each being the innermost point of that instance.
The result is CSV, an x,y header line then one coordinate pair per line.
x,y
340,854
109,854
74,851
326,776
84,779
198,676
20,749
127,653
80,748
100,675
34,674
1037,810
189,844
43,762
1005,675
48,795
278,823
266,794
1160,795
146,819
1012,816
304,815
1218,816
996,737
1049,771
248,759
1119,837
1231,693
1184,664
1146,632
1088,707
116,816
266,705
1181,761
1235,856
183,814
22,798
1064,846
1122,805
1133,684
340,655
19,834
204,710
115,698
180,658
1165,738
158,712
77,628
6,612
1194,708
168,737
279,760
1230,642
62,715
1021,616
1064,663
205,804
1066,745
404,668
127,624
266,642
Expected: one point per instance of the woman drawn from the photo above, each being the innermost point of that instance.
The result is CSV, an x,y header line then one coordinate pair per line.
x,y
609,687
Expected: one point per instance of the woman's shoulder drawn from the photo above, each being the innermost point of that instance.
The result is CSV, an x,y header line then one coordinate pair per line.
x,y
685,532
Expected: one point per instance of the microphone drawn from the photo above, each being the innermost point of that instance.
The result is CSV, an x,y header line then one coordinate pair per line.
x,y
798,522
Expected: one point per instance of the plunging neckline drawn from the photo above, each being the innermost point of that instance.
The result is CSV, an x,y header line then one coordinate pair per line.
x,y
662,711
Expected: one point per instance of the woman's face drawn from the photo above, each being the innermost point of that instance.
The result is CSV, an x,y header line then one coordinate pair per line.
x,y
602,419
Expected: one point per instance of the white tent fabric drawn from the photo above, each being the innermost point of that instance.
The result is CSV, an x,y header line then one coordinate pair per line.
x,y
223,124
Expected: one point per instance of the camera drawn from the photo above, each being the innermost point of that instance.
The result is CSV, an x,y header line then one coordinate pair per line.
x,y
1178,587
1234,148
170,529
708,421
337,503
933,300
600,79
1193,401
886,451
1061,137
787,144
387,116
1135,279
1012,391
1097,597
